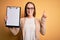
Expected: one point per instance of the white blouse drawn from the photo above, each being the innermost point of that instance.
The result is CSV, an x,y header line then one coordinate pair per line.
x,y
29,29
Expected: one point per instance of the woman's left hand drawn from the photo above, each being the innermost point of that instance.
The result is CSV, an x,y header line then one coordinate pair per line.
x,y
43,18
43,23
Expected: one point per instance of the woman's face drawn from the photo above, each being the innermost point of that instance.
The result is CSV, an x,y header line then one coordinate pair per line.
x,y
30,9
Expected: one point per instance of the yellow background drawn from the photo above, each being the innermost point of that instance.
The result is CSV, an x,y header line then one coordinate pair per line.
x,y
52,8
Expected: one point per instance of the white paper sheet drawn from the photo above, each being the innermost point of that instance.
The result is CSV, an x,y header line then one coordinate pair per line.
x,y
13,16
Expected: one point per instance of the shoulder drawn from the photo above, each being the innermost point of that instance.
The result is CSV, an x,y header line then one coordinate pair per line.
x,y
37,20
21,18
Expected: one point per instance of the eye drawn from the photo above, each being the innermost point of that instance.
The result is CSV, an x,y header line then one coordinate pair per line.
x,y
30,8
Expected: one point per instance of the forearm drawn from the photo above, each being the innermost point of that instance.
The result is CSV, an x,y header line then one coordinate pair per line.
x,y
43,26
38,36
43,29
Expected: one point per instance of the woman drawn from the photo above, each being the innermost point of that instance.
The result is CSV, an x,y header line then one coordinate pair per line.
x,y
31,27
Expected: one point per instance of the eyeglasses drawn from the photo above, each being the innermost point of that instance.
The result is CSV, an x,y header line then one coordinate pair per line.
x,y
30,8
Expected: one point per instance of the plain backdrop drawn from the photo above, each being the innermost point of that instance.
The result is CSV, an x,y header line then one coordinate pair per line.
x,y
52,8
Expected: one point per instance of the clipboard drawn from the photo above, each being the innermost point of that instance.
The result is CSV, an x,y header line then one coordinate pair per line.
x,y
13,16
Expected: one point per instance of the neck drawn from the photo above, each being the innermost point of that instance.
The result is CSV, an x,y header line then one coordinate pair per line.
x,y
30,17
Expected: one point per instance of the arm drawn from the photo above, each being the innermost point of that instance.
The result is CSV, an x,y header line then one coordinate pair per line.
x,y
14,30
37,29
43,24
43,27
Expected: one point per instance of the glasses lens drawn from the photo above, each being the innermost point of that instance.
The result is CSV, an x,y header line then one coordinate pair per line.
x,y
30,8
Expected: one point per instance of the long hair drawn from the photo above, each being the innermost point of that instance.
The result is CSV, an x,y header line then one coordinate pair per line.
x,y
34,13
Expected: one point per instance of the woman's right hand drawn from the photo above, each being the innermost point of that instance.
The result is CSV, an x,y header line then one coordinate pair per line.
x,y
14,30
